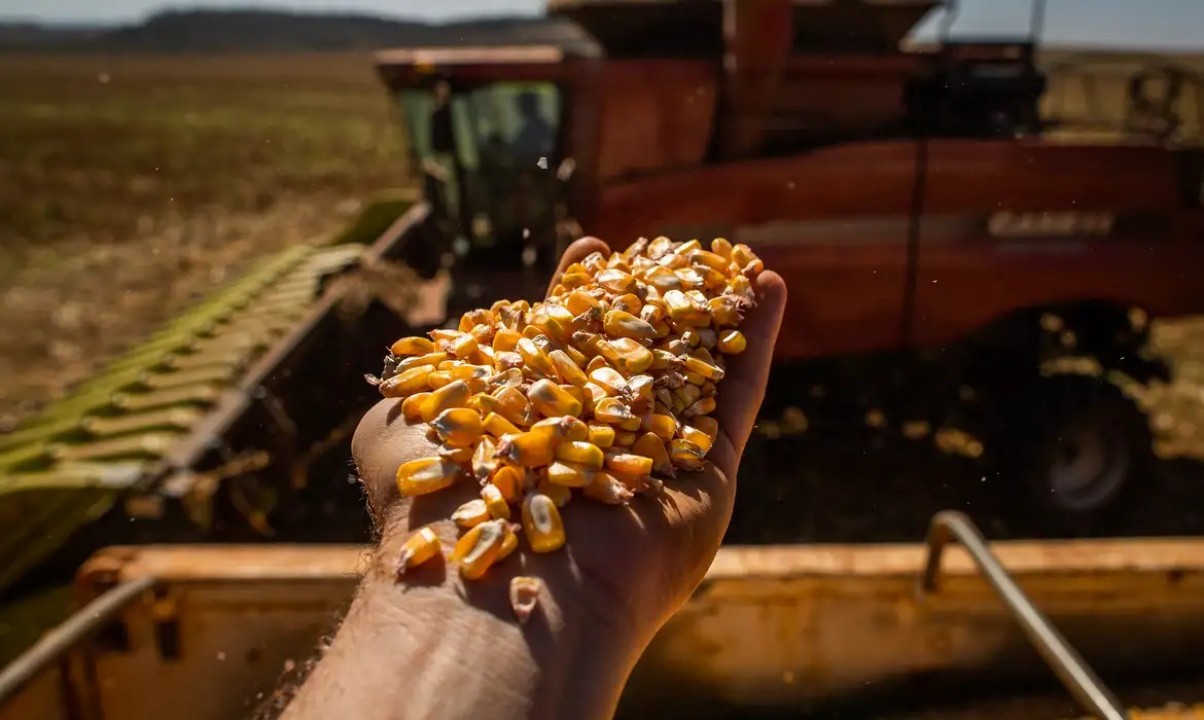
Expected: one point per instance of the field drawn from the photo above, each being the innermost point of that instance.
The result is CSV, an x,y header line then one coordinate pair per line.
x,y
131,186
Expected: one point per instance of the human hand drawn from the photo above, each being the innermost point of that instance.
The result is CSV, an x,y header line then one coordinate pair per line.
x,y
626,568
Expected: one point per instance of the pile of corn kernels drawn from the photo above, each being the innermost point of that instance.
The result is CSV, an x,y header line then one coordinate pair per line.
x,y
606,387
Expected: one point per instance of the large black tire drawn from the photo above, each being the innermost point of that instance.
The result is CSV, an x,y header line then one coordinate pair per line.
x,y
1074,458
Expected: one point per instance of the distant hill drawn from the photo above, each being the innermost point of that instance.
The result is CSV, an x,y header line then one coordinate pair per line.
x,y
200,31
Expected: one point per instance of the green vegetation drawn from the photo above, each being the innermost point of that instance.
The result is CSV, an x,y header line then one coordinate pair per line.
x,y
130,186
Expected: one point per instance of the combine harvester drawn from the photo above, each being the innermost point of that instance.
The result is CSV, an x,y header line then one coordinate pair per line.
x,y
917,201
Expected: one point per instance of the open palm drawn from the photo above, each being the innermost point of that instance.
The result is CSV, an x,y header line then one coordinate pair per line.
x,y
630,566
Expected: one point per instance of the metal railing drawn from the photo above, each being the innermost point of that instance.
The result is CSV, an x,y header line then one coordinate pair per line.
x,y
1074,672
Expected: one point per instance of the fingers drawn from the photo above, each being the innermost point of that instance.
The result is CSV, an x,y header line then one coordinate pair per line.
x,y
743,387
577,252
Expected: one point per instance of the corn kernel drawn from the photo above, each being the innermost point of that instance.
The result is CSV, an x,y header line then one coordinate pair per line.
x,y
407,383
686,454
570,474
582,453
479,548
609,379
653,447
471,514
625,438
509,543
629,464
528,449
412,346
703,406
623,324
452,395
553,401
732,343
567,368
411,407
438,379
524,596
601,435
495,502
458,427
510,482
515,407
426,475
608,489
612,410
461,455
697,437
417,549
542,524
535,358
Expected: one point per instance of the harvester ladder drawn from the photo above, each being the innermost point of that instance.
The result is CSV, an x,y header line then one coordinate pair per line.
x,y
1074,672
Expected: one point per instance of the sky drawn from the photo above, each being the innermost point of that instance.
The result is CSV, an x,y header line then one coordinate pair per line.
x,y
1166,24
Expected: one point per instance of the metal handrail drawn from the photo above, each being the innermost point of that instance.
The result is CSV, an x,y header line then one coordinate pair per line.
x,y
54,644
1074,672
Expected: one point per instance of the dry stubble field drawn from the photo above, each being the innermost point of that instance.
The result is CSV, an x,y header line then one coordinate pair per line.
x,y
131,186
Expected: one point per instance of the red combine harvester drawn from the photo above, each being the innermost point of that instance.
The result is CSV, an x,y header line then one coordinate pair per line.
x,y
914,200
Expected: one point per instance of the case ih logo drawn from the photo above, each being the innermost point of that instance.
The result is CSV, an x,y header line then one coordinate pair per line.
x,y
1050,224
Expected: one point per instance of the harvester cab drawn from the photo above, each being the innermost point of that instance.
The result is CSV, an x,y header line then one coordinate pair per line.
x,y
487,133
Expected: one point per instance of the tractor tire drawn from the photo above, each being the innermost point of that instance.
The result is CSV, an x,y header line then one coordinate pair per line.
x,y
1076,460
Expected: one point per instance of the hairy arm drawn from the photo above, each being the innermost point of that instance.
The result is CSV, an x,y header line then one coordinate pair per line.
x,y
435,648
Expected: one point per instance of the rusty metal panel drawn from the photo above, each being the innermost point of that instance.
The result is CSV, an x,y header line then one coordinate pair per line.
x,y
787,627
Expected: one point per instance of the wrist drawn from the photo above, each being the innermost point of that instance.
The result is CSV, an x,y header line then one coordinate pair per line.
x,y
573,655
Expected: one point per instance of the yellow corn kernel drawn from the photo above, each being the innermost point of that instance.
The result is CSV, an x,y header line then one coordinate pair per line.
x,y
458,427
663,279
612,410
608,489
694,378
732,342
686,454
742,254
524,596
609,379
708,371
484,458
680,308
411,407
465,346
509,543
529,449
579,301
691,337
514,406
455,394
601,435
505,339
426,475
417,549
652,446
438,379
495,502
618,323
479,548
629,303
567,369
629,464
582,453
704,406
708,425
635,357
407,383
559,494
459,455
688,394
483,403
473,318
663,426
551,400
665,360
707,389
596,363
542,524
593,393
535,358
412,346
530,332
727,310
624,438
509,481
429,359
721,247
497,426
639,390
698,437
569,474
616,281
471,514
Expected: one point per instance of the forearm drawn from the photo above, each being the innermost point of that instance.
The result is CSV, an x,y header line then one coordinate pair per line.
x,y
436,648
